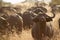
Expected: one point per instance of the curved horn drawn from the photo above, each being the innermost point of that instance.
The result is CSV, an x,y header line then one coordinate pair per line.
x,y
40,9
14,10
2,18
53,14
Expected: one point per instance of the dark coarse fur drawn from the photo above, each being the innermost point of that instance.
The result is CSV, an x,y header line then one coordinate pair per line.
x,y
15,20
40,27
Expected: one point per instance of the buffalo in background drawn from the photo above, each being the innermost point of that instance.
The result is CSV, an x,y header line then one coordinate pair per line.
x,y
14,20
27,19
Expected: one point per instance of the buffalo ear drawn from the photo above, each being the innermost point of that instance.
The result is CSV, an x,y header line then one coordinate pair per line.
x,y
48,19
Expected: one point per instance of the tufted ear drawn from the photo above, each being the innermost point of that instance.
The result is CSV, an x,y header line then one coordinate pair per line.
x,y
48,19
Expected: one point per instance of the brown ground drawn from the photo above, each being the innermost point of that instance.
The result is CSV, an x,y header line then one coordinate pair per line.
x,y
26,35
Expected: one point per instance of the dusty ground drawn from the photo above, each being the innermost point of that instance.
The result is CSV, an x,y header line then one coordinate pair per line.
x,y
26,35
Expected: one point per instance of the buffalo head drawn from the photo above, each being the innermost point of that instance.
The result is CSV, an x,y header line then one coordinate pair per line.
x,y
43,17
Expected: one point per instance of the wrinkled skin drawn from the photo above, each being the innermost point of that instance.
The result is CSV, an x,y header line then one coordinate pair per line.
x,y
40,28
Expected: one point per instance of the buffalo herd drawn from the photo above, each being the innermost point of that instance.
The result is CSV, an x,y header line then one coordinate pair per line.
x,y
34,18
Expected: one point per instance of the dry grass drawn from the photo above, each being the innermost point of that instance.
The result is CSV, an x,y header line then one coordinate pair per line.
x,y
26,35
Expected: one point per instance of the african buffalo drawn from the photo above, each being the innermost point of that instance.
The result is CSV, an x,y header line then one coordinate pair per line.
x,y
27,19
40,28
13,19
